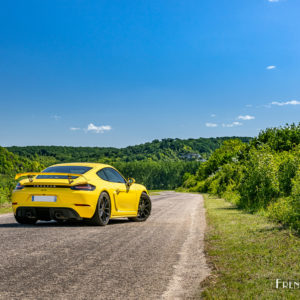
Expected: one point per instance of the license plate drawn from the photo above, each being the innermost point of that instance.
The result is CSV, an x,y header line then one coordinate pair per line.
x,y
43,198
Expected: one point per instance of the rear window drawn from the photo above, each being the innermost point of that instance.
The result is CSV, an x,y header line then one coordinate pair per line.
x,y
63,169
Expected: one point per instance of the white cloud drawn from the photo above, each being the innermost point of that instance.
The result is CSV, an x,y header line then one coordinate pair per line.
x,y
74,128
56,117
273,0
292,102
271,67
246,118
249,105
211,125
233,124
98,129
213,115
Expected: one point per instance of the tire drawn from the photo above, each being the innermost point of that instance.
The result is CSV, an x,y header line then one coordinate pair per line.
x,y
25,221
144,210
103,210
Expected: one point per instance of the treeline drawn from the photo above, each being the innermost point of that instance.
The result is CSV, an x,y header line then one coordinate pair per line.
x,y
263,175
10,164
157,150
157,175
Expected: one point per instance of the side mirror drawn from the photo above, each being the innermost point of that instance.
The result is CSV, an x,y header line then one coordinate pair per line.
x,y
130,181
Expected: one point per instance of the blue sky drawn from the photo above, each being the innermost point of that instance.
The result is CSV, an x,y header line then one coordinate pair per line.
x,y
118,73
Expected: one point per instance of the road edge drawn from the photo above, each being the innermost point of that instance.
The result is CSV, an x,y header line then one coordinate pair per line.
x,y
192,260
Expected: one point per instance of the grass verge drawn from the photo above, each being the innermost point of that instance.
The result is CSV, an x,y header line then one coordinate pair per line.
x,y
5,208
154,192
247,254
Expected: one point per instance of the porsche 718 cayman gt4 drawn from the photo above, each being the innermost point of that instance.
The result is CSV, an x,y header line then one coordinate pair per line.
x,y
79,191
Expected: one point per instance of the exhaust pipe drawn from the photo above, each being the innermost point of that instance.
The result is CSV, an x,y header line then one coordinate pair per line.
x,y
59,215
29,215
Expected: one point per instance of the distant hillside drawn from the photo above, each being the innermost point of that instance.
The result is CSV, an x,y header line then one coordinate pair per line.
x,y
11,163
157,150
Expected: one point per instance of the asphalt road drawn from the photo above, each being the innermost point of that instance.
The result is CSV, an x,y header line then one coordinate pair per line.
x,y
161,258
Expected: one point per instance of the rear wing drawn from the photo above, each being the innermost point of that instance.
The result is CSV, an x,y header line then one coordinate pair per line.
x,y
30,175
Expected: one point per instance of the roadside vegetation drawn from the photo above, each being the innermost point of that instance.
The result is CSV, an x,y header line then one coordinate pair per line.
x,y
10,164
157,175
260,177
154,192
5,208
247,253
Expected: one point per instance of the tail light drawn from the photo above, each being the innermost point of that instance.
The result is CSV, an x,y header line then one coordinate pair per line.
x,y
83,187
19,186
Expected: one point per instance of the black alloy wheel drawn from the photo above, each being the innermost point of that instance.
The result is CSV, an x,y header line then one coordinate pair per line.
x,y
103,210
144,209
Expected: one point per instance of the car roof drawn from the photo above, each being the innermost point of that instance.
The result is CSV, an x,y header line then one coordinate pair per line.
x,y
84,164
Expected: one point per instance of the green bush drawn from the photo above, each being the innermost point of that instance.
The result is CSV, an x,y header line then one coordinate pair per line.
x,y
283,211
260,184
287,171
189,180
261,176
230,151
280,138
7,184
296,187
231,194
200,187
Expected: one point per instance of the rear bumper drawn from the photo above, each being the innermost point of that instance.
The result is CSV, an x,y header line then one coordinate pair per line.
x,y
83,203
47,213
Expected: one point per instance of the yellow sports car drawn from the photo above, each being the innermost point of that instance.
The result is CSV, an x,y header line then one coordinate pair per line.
x,y
79,191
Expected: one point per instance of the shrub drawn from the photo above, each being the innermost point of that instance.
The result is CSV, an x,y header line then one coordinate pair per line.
x,y
264,175
260,184
283,211
287,171
296,187
200,187
189,181
287,210
281,138
233,197
231,150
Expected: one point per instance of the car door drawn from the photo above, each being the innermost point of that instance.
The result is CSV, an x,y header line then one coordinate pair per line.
x,y
124,197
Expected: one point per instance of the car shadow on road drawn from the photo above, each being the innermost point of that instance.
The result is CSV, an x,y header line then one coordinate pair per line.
x,y
53,224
